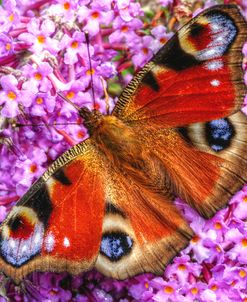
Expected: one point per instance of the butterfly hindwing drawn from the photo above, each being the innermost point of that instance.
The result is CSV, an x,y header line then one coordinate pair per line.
x,y
197,76
142,229
224,142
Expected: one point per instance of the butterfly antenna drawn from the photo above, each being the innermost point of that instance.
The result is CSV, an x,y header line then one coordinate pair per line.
x,y
68,101
90,66
44,125
106,95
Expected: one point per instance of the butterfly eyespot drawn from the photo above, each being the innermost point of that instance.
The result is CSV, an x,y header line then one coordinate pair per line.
x,y
20,227
196,29
219,134
22,236
116,245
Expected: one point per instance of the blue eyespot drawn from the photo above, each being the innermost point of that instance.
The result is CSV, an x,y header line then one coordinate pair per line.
x,y
115,245
219,134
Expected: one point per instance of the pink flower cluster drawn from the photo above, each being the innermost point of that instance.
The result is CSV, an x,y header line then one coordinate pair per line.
x,y
43,51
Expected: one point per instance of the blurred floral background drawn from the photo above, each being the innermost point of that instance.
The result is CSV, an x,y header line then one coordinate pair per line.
x,y
43,51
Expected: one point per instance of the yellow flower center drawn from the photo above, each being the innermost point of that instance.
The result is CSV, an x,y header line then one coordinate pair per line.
x,y
8,46
41,39
70,94
39,100
90,71
218,226
145,50
11,95
163,40
194,290
124,28
195,239
242,273
80,134
245,198
182,267
38,76
218,249
95,15
74,44
33,168
168,290
66,5
53,292
11,17
214,287
146,285
244,242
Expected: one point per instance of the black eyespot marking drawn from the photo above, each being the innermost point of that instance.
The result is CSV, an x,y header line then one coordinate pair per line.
x,y
174,57
219,134
61,177
115,245
15,223
151,81
112,209
183,131
39,202
196,29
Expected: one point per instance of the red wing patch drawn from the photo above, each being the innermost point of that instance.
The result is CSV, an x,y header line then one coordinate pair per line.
x,y
184,97
75,224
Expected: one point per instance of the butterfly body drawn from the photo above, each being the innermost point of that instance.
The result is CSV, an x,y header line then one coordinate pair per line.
x,y
177,130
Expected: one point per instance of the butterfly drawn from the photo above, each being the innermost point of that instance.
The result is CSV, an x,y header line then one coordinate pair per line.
x,y
176,130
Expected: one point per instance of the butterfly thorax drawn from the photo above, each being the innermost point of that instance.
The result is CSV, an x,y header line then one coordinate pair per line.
x,y
115,136
110,133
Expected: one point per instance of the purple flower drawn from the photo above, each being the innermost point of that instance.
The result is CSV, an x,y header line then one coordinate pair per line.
x,y
38,36
128,10
125,31
6,45
12,95
142,50
94,17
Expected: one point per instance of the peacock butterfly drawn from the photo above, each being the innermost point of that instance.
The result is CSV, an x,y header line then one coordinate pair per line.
x,y
176,130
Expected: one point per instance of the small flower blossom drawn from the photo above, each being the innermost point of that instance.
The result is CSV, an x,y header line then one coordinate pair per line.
x,y
38,36
11,96
93,18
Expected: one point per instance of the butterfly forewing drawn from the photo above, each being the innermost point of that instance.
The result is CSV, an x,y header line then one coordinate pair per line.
x,y
197,76
57,225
